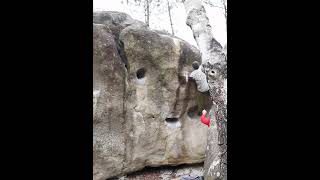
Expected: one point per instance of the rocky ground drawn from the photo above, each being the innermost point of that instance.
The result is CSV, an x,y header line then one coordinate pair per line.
x,y
164,173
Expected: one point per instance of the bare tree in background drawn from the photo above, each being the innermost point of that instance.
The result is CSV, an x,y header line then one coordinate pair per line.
x,y
147,11
169,10
224,3
215,66
212,4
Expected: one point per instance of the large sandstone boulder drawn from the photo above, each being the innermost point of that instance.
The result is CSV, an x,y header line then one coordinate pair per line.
x,y
144,106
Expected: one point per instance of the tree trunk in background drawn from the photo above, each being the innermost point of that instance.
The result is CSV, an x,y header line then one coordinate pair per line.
x,y
224,3
215,66
170,17
147,12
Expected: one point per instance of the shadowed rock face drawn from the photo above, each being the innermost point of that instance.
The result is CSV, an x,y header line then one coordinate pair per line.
x,y
144,107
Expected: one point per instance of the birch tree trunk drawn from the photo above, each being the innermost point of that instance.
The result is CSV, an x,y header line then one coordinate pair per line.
x,y
215,66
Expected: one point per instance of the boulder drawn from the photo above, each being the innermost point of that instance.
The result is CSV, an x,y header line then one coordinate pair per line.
x,y
145,111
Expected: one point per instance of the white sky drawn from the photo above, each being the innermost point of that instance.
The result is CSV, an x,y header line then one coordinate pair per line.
x,y
159,18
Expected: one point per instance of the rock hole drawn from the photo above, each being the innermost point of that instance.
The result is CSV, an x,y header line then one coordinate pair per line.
x,y
141,73
173,122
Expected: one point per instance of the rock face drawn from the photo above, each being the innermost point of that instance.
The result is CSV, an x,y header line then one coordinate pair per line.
x,y
144,106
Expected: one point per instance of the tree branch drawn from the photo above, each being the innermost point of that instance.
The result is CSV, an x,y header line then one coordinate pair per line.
x,y
212,5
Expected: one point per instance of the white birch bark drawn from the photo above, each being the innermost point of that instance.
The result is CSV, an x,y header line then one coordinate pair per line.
x,y
215,64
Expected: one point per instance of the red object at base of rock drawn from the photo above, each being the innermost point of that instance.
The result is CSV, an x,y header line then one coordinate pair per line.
x,y
205,120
